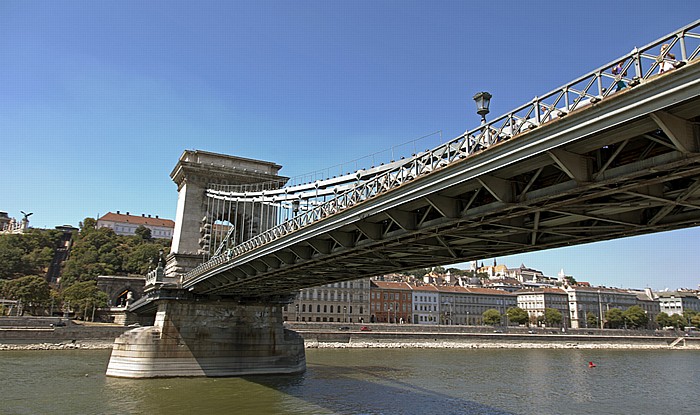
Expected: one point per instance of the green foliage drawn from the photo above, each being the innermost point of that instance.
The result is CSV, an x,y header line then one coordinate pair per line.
x,y
83,296
663,319
517,315
695,320
419,272
491,316
614,318
552,316
30,253
141,258
636,317
460,272
143,233
102,252
87,225
591,319
570,280
688,315
31,290
678,321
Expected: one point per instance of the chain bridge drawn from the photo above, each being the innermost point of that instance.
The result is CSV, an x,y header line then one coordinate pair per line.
x,y
611,154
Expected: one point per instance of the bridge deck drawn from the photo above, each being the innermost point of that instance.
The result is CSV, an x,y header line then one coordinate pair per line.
x,y
627,165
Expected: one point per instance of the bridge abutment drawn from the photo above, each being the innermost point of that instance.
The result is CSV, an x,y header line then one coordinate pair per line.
x,y
209,337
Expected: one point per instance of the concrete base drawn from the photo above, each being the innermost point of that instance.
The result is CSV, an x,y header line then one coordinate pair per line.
x,y
209,338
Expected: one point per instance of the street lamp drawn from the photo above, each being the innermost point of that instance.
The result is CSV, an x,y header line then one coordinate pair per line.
x,y
482,99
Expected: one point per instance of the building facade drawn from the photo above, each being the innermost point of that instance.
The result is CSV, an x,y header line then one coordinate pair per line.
x,y
457,305
391,302
676,302
126,224
596,300
346,301
426,300
536,301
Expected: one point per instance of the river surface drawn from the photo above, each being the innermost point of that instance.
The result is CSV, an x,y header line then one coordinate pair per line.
x,y
370,381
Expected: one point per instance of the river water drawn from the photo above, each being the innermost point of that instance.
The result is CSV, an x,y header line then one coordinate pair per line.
x,y
371,381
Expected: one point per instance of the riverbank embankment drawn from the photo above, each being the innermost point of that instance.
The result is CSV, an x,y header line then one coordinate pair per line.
x,y
55,333
483,337
62,334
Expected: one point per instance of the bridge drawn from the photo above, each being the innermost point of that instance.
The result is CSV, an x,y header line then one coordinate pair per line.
x,y
614,153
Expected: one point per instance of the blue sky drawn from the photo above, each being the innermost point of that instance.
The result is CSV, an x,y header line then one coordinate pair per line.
x,y
99,99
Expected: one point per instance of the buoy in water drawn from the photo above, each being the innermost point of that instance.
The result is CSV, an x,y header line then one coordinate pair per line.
x,y
591,364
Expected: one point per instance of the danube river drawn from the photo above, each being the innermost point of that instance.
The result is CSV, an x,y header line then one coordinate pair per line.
x,y
371,381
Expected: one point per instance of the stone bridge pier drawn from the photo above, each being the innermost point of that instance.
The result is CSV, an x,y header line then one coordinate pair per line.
x,y
209,337
196,335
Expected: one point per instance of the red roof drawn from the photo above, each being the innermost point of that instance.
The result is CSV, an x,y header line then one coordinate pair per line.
x,y
137,220
389,285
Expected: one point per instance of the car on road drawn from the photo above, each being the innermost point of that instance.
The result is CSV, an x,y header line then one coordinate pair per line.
x,y
365,328
344,328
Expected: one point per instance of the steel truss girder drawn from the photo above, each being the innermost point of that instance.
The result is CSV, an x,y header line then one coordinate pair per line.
x,y
610,184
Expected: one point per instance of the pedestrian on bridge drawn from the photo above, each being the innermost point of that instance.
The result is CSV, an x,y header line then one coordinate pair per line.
x,y
617,70
668,59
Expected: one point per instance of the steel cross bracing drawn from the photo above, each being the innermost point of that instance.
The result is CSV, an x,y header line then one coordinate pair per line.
x,y
582,163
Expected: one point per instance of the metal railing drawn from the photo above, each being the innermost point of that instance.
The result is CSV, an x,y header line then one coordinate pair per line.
x,y
628,71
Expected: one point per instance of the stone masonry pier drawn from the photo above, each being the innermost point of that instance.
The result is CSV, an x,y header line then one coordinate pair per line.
x,y
209,338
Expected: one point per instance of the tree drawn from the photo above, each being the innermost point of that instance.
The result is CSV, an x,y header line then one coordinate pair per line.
x,y
614,318
142,258
143,233
491,316
552,316
636,317
591,319
459,272
517,315
678,321
32,291
83,296
30,253
419,272
88,224
688,315
663,319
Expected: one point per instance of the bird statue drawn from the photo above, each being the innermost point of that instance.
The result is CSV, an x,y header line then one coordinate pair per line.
x,y
26,215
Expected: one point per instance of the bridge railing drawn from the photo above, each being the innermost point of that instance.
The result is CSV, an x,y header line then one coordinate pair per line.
x,y
663,55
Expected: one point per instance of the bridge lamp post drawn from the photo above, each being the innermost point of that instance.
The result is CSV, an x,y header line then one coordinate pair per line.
x,y
482,99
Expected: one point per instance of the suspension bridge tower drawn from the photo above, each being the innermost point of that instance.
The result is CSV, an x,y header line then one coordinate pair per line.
x,y
194,172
